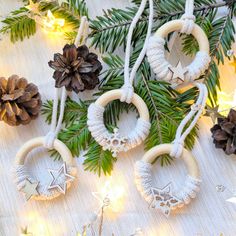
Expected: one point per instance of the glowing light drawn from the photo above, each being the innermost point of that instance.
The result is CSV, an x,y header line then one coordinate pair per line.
x,y
53,24
33,7
232,199
38,225
112,195
226,101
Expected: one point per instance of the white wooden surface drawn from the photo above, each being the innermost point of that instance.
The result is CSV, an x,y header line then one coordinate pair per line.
x,y
207,215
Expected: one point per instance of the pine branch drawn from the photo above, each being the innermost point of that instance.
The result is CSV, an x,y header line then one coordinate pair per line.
x,y
73,111
70,36
159,97
98,160
105,26
167,107
19,27
21,23
110,30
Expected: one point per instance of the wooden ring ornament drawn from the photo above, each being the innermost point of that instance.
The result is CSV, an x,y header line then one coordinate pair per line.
x,y
40,191
114,142
163,198
163,69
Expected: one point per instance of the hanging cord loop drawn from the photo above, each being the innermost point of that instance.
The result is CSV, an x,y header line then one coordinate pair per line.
x,y
127,88
61,93
188,17
192,117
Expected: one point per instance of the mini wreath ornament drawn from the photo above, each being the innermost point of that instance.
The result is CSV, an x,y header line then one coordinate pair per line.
x,y
60,179
163,198
156,50
114,142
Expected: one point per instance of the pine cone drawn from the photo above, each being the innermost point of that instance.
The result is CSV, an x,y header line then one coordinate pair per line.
x,y
224,133
77,69
20,101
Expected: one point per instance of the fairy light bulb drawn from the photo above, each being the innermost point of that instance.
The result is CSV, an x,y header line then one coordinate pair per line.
x,y
53,24
113,194
226,101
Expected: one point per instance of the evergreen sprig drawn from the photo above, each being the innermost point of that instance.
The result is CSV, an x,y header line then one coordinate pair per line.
x,y
21,23
167,107
20,27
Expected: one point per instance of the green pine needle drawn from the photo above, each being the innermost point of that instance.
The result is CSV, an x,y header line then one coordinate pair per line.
x,y
167,107
19,27
98,161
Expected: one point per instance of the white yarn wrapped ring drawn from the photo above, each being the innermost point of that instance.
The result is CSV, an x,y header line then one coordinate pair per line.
x,y
114,142
163,198
22,175
163,69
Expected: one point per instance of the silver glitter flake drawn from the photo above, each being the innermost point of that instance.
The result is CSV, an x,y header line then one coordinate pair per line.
x,y
230,53
220,188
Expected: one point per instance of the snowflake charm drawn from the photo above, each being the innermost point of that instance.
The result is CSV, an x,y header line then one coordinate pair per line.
x,y
164,200
115,143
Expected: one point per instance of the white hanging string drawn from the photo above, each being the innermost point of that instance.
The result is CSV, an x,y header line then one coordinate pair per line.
x,y
188,17
61,93
127,89
193,115
188,26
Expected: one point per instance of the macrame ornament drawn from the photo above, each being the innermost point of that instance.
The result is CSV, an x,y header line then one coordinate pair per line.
x,y
62,178
164,198
114,142
178,75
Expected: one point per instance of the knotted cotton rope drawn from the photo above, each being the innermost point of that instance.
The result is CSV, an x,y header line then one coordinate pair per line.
x,y
21,174
101,134
127,88
20,171
188,17
114,142
156,51
62,94
156,58
192,117
143,180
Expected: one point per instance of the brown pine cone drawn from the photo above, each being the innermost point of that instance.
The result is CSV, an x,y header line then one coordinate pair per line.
x,y
20,101
77,69
224,133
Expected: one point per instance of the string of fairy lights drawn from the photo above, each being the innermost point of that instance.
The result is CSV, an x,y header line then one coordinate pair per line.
x,y
49,22
111,195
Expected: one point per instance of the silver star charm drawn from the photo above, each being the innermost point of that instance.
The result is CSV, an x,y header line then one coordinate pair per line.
x,y
164,200
30,189
115,143
33,7
60,178
213,113
178,73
